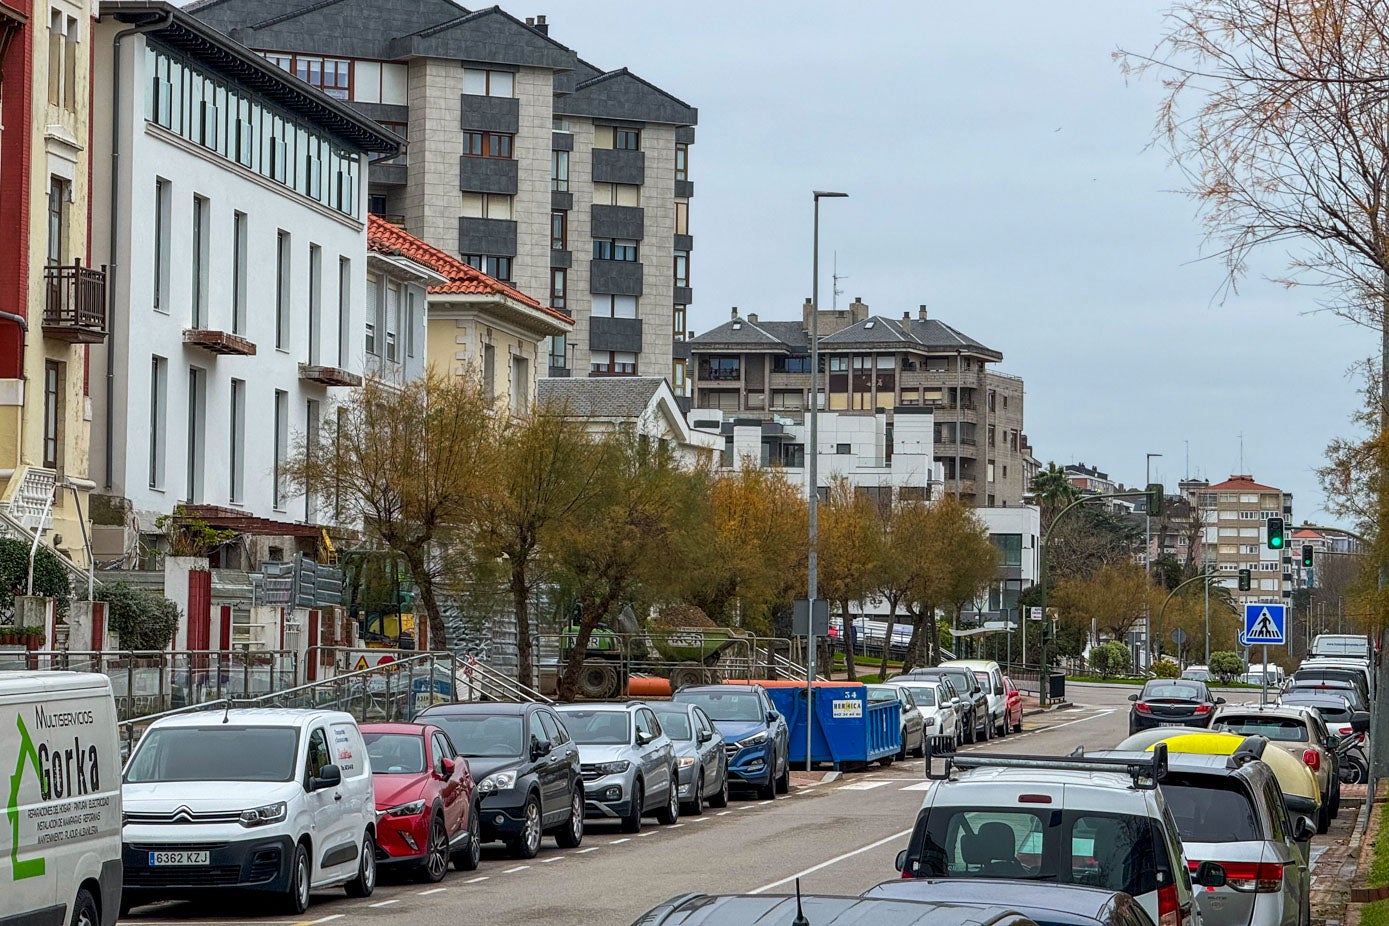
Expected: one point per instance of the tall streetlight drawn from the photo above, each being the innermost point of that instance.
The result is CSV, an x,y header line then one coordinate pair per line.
x,y
813,496
1148,555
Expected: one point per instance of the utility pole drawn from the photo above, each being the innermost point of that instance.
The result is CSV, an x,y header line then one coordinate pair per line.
x,y
1153,643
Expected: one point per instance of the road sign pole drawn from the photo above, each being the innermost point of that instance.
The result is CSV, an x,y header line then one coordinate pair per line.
x,y
1263,692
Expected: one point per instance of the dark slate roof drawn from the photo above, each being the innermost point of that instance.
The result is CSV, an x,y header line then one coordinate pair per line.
x,y
621,94
214,50
742,334
600,396
492,36
878,332
352,28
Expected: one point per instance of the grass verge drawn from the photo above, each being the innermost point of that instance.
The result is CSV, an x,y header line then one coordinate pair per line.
x,y
1379,865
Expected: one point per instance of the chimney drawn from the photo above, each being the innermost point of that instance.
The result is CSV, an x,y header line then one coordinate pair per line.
x,y
858,310
805,315
735,312
921,312
906,316
541,25
530,21
752,316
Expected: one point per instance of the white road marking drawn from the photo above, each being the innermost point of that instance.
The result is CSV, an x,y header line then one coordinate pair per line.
x,y
618,842
383,903
864,785
476,880
330,917
589,849
437,890
919,786
744,807
553,858
764,803
834,861
512,871
675,826
703,819
647,833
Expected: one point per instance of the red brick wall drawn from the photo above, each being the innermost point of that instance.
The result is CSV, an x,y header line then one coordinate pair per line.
x,y
16,72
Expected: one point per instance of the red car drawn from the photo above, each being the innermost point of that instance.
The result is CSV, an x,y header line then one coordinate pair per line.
x,y
1013,711
424,799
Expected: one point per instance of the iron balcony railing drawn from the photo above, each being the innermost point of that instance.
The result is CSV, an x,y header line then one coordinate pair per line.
x,y
75,308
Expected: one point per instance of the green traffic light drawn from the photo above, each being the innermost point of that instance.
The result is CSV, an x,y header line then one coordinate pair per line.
x,y
1275,541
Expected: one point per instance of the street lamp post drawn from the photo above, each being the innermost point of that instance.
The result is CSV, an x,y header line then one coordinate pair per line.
x,y
813,490
1148,555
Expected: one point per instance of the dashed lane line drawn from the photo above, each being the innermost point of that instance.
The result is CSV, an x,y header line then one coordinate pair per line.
x,y
512,871
618,842
553,858
589,849
477,880
384,903
834,861
437,890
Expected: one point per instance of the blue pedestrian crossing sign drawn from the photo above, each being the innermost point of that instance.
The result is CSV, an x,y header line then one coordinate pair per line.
x,y
1265,624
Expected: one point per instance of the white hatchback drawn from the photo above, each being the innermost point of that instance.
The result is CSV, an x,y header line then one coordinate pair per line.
x,y
274,802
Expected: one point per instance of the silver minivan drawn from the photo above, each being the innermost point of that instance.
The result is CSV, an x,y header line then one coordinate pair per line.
x,y
628,762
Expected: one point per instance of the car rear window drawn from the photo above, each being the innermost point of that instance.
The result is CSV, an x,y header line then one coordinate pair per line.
x,y
1209,808
1185,691
1113,851
1282,729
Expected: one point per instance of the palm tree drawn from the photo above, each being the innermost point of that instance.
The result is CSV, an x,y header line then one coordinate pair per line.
x,y
1053,491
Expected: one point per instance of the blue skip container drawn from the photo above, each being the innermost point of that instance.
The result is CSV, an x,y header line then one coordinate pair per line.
x,y
845,727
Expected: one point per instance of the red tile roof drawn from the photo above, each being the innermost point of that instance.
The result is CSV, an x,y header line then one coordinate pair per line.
x,y
1306,534
1237,483
463,279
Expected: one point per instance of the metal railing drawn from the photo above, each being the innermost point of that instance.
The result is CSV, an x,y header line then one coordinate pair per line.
x,y
76,297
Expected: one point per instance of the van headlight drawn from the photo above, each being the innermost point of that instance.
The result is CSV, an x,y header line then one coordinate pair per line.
x,y
406,810
497,781
260,816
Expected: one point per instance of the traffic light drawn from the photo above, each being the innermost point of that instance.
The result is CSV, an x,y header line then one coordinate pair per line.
x,y
1275,533
1244,580
1154,493
1307,556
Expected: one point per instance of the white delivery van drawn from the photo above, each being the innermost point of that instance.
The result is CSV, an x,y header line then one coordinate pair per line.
x,y
259,800
60,855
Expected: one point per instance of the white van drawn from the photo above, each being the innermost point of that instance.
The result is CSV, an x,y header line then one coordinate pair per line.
x,y
60,856
268,801
990,675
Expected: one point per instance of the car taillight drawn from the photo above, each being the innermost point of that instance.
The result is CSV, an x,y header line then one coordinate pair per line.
x,y
1313,760
1169,906
1142,708
1202,709
1251,877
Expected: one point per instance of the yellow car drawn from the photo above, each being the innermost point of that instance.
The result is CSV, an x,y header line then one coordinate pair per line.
x,y
1299,786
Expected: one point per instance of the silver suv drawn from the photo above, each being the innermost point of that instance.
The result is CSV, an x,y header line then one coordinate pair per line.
x,y
628,762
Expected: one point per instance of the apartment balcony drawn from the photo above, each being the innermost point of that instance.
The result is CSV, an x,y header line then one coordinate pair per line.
x,y
328,376
219,342
719,376
75,306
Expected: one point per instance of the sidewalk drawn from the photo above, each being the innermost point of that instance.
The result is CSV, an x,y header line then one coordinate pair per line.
x,y
1340,894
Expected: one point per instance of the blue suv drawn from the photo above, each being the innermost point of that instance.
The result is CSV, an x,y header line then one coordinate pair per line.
x,y
755,734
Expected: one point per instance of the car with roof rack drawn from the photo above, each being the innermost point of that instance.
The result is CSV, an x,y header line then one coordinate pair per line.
x,y
1229,810
821,910
1057,819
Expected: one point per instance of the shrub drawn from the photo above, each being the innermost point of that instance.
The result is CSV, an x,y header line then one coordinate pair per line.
x,y
1166,668
50,579
144,620
1110,659
1226,665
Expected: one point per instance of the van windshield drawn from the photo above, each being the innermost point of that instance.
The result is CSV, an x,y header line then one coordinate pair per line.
x,y
220,753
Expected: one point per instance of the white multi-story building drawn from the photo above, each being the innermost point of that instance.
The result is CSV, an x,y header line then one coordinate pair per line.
x,y
1236,513
234,227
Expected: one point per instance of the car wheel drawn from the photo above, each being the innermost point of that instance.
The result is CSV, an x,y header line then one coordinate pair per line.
x,y
526,844
1002,728
572,833
783,782
695,807
988,728
436,856
1018,728
920,750
768,791
632,822
1324,817
1335,797
719,798
671,812
365,881
84,911
296,899
969,736
468,859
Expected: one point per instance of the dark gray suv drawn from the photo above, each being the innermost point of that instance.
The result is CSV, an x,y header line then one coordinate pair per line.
x,y
975,722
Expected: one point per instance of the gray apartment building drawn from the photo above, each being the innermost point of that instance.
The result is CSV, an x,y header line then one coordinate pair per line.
x,y
749,368
566,180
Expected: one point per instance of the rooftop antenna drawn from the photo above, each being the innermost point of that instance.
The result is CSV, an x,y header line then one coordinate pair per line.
x,y
800,919
834,288
1241,451
1187,468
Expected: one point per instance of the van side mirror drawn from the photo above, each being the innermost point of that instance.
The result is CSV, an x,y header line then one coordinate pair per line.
x,y
540,749
900,863
1210,874
329,776
1360,721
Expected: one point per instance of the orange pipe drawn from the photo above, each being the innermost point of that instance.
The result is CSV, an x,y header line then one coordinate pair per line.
x,y
648,687
792,683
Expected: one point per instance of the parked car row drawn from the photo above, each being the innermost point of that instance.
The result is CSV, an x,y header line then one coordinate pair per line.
x,y
970,700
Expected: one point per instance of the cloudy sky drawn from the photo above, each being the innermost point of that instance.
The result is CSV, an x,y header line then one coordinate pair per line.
x,y
1000,173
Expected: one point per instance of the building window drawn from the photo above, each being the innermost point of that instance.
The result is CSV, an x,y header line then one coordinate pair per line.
x,y
487,206
682,161
559,171
682,268
238,281
282,281
373,313
411,320
627,139
331,75
561,124
344,309
677,376
489,372
59,195
498,268
237,446
520,384
281,447
478,82
678,320
159,395
615,306
614,249
52,413
315,301
162,207
559,231
790,364
722,369
682,218
63,34
197,387
559,359
613,363
617,194
559,288
200,258
392,321
488,144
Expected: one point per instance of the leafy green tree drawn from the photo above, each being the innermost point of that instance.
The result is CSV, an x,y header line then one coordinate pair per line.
x,y
143,619
1110,659
1166,668
850,549
1227,665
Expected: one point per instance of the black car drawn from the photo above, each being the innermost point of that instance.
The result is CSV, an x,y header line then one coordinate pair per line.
x,y
1327,687
1054,905
975,723
1331,674
822,910
1335,710
1172,702
527,771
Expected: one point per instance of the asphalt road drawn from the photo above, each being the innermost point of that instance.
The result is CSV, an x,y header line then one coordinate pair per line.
x,y
839,837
